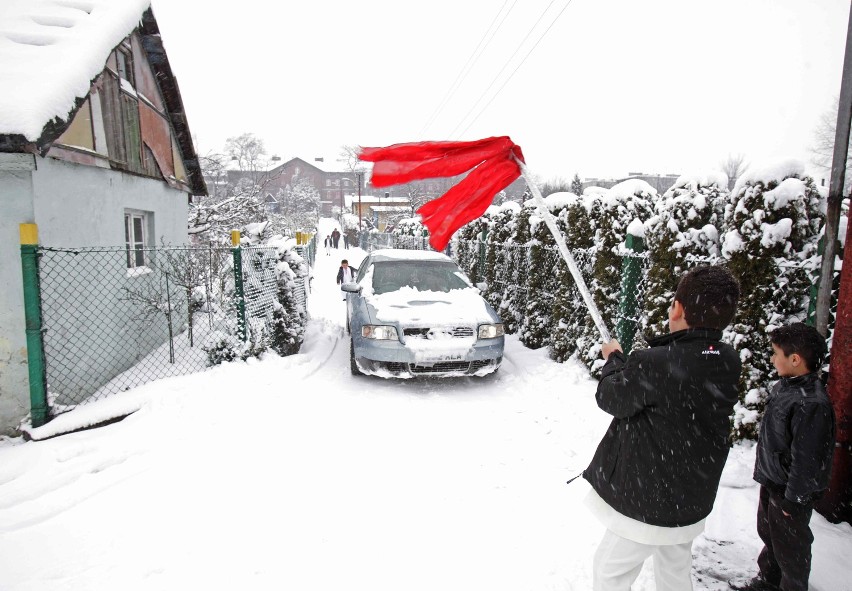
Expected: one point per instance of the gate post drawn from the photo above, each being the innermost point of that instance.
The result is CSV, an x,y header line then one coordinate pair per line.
x,y
32,318
239,295
631,272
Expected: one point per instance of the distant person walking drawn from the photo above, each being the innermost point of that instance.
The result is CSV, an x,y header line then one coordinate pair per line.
x,y
335,237
328,246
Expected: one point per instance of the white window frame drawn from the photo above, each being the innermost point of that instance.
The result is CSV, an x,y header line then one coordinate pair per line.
x,y
134,241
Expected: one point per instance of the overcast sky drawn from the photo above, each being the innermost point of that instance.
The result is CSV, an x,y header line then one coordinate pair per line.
x,y
614,86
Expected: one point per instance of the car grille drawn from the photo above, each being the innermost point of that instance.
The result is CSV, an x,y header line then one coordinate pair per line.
x,y
443,367
432,332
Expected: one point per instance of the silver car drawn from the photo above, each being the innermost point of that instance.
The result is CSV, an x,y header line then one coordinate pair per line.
x,y
415,313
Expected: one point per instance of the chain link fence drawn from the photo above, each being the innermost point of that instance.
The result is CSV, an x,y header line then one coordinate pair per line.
x,y
377,240
115,318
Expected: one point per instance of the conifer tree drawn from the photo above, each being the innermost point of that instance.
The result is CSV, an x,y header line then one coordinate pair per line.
x,y
518,270
772,224
612,213
496,256
540,284
569,313
683,233
576,184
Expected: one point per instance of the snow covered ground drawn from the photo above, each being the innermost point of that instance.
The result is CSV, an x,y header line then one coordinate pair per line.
x,y
290,473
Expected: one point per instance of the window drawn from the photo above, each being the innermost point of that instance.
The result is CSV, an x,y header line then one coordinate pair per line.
x,y
124,59
135,232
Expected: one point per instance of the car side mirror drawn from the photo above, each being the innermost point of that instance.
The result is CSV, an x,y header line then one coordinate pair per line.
x,y
351,287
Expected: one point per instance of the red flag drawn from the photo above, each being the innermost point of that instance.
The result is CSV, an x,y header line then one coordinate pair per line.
x,y
494,165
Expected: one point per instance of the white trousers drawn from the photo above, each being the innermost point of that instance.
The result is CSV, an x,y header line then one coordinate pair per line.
x,y
618,562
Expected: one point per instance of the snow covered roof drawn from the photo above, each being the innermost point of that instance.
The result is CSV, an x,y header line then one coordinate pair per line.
x,y
51,53
349,200
389,208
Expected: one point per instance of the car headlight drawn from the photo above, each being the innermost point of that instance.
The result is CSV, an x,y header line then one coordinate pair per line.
x,y
491,331
385,333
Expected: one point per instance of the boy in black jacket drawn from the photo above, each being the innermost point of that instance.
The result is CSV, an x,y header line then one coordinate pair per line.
x,y
655,473
793,460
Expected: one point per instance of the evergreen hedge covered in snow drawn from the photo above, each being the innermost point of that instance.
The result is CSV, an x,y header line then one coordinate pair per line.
x,y
765,230
771,229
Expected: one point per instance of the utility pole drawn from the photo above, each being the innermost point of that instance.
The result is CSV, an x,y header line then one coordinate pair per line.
x,y
836,505
835,187
358,176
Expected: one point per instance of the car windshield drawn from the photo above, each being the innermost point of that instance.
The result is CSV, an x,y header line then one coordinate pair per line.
x,y
423,275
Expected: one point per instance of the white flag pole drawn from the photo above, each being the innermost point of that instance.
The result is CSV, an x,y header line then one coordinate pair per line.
x,y
566,254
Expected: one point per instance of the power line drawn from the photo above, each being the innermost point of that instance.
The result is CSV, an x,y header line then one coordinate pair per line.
x,y
550,26
471,61
505,65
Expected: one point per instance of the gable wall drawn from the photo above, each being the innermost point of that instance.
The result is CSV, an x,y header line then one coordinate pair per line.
x,y
102,125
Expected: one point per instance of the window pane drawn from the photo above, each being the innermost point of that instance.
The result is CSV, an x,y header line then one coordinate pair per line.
x,y
140,258
137,229
127,229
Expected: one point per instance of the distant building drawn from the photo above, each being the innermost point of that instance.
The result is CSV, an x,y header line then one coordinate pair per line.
x,y
334,186
661,182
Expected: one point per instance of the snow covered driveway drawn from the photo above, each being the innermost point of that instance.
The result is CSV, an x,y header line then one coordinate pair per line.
x,y
290,473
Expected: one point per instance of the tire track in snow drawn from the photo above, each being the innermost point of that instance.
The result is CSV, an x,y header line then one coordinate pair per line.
x,y
336,337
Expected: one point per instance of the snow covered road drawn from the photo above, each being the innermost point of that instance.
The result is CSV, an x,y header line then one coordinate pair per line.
x,y
290,473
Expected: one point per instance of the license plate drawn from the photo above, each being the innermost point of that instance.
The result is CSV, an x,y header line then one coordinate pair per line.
x,y
439,359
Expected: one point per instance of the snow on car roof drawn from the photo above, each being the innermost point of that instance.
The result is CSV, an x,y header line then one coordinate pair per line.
x,y
401,254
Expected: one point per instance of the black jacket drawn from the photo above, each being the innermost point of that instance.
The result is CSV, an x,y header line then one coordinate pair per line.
x,y
340,273
661,459
796,441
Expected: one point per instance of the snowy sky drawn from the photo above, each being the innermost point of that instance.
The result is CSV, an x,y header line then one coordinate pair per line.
x,y
613,87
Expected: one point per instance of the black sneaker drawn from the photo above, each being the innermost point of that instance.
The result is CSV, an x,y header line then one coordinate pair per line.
x,y
757,583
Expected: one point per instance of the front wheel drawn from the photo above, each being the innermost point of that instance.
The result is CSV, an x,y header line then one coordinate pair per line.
x,y
353,365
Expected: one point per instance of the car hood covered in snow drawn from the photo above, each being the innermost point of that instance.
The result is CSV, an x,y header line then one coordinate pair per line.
x,y
411,307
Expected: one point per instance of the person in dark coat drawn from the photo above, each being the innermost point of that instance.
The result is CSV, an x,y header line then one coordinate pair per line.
x,y
656,471
335,237
346,274
793,460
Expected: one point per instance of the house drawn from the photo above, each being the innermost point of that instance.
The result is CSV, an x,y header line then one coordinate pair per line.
x,y
95,148
661,182
379,210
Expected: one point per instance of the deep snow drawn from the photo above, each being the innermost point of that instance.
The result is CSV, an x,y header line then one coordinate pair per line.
x,y
290,473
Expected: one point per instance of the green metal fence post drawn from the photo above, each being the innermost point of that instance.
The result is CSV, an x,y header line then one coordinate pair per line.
x,y
32,319
631,272
238,285
813,291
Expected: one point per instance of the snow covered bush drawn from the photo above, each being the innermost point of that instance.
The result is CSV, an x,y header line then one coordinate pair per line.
x,y
466,249
500,228
289,316
517,273
224,346
682,233
542,283
771,229
610,215
569,313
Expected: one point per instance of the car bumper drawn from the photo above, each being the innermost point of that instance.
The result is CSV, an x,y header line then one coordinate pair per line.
x,y
394,359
